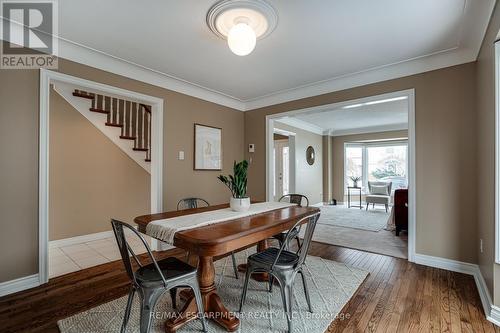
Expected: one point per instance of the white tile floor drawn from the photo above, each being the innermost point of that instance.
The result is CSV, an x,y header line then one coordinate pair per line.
x,y
71,258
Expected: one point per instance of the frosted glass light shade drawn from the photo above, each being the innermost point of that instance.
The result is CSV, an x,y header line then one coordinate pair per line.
x,y
241,39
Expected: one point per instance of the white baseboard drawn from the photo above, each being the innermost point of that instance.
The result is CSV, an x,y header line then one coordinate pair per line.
x,y
81,239
447,264
20,284
491,311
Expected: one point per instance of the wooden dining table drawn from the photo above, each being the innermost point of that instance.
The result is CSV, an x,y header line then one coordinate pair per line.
x,y
217,240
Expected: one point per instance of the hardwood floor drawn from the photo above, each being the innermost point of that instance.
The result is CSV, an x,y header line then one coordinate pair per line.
x,y
397,296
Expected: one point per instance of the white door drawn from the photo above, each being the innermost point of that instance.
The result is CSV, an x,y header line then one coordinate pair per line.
x,y
281,168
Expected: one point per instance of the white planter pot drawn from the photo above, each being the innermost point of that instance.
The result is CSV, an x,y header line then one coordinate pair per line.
x,y
239,205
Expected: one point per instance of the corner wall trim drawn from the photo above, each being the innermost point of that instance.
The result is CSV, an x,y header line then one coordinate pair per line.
x,y
20,284
491,312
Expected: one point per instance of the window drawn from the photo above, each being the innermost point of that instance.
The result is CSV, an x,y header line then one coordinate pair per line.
x,y
377,161
353,163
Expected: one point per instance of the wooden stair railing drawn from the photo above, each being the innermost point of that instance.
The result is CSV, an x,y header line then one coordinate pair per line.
x,y
133,118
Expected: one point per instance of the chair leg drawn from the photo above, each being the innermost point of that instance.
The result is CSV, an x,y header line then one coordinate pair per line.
x,y
286,295
373,206
386,208
245,287
173,296
199,304
149,297
271,282
367,204
235,267
126,315
306,290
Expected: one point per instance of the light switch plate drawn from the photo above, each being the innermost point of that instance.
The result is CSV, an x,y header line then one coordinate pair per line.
x,y
181,155
251,148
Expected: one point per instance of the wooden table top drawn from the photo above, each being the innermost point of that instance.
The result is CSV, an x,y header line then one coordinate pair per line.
x,y
224,237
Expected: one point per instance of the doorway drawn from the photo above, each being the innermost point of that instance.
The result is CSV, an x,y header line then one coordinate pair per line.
x,y
281,168
354,110
47,79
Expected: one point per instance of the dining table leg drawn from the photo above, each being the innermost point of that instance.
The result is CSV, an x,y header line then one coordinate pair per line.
x,y
213,306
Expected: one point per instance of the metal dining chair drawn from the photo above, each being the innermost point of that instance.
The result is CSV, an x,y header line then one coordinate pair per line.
x,y
190,203
283,266
153,280
296,199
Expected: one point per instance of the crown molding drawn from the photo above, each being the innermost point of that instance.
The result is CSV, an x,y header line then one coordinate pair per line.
x,y
419,65
95,58
472,30
301,124
371,129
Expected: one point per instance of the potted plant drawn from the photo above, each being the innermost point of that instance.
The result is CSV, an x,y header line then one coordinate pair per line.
x,y
355,180
237,184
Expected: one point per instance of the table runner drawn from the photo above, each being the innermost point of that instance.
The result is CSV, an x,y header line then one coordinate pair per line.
x,y
165,229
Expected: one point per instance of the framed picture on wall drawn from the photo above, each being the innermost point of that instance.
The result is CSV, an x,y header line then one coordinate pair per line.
x,y
207,147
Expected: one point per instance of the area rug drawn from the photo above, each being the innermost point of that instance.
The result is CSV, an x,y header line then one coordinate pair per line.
x,y
331,285
382,242
355,218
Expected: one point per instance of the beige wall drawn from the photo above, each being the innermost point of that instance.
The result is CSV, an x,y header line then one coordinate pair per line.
x,y
18,173
91,179
486,157
308,178
19,148
338,156
445,129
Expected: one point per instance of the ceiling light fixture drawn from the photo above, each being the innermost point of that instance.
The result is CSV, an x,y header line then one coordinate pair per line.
x,y
375,102
242,23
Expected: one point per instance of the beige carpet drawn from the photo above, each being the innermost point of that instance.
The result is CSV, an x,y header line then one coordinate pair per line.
x,y
331,285
382,242
355,218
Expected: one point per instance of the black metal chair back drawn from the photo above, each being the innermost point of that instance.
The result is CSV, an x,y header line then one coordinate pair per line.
x,y
125,250
296,199
190,203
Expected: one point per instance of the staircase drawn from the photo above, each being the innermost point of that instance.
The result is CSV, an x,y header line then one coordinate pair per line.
x,y
127,123
133,118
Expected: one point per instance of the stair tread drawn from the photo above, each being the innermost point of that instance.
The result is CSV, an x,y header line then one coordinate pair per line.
x,y
82,95
114,125
99,110
140,149
127,137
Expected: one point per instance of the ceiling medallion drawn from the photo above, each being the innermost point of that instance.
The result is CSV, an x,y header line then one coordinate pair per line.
x,y
242,23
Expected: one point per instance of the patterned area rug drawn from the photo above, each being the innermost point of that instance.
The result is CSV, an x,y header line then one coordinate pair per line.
x,y
331,285
340,216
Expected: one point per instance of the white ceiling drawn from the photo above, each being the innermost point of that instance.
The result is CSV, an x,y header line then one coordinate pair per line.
x,y
317,47
343,121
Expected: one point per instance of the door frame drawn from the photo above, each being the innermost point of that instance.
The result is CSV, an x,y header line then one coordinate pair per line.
x,y
283,143
412,209
47,77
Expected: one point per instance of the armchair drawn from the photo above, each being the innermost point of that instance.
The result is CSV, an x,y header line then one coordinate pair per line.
x,y
380,193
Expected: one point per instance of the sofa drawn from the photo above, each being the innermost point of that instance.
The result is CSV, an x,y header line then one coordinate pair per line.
x,y
401,210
